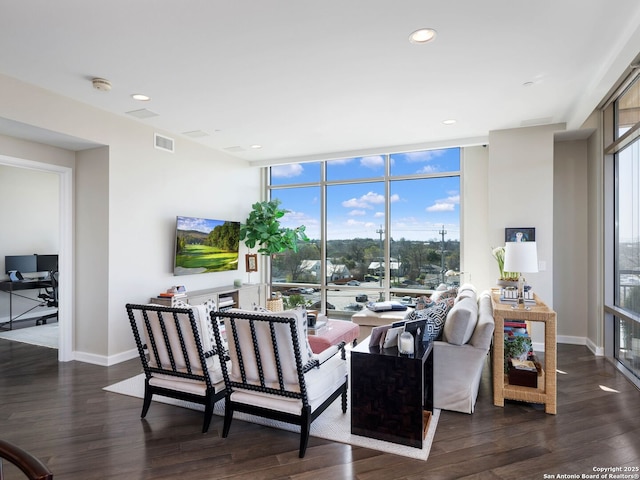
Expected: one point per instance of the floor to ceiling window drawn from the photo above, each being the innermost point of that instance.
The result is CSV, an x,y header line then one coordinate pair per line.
x,y
623,151
380,227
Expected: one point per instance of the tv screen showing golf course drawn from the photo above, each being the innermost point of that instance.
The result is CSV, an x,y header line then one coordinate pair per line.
x,y
204,245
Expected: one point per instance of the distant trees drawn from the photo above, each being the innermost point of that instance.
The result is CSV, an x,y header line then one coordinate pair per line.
x,y
224,237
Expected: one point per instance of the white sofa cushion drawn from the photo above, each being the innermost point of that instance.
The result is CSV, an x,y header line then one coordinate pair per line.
x,y
461,321
483,333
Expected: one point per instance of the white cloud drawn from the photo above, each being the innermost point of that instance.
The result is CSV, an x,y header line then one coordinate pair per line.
x,y
441,207
357,213
424,155
286,171
429,169
376,161
365,201
445,205
379,215
374,198
354,223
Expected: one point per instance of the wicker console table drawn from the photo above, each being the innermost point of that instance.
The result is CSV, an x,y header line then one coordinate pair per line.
x,y
546,391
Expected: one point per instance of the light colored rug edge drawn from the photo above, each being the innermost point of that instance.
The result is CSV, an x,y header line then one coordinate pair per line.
x,y
42,335
320,428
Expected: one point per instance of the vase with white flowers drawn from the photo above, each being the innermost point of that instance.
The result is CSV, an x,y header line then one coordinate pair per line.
x,y
506,278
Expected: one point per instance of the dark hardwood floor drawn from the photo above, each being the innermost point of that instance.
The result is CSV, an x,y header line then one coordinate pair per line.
x,y
59,412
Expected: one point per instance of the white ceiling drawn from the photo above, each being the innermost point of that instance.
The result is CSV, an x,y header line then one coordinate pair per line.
x,y
306,79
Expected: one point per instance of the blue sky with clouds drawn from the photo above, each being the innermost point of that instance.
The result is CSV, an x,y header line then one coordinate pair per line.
x,y
420,207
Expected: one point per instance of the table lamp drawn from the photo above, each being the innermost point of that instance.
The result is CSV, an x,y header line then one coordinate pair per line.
x,y
521,257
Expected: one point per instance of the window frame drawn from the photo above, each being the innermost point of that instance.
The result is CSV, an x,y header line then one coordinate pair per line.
x,y
386,290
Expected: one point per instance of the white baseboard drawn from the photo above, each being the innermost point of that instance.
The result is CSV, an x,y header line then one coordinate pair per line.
x,y
105,361
595,349
571,340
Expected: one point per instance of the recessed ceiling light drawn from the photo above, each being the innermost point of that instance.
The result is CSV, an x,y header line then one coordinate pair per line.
x,y
424,35
140,97
256,147
449,122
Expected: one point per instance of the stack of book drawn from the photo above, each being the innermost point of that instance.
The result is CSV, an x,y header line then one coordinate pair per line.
x,y
172,295
510,295
225,302
515,328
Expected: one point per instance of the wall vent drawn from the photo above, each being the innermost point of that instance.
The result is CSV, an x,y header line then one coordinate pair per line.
x,y
163,143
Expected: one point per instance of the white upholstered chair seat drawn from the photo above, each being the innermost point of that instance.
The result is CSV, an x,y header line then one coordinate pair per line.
x,y
320,385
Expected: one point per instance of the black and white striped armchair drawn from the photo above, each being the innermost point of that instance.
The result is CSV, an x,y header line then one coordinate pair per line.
x,y
273,373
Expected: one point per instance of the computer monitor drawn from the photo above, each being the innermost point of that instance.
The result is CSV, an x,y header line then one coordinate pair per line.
x,y
21,263
47,263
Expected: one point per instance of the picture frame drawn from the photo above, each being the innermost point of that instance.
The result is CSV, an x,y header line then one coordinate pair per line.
x,y
251,262
528,234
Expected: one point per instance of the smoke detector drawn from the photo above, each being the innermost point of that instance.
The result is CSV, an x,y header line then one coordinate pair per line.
x,y
101,84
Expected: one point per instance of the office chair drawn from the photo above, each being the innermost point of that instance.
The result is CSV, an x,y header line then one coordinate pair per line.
x,y
50,299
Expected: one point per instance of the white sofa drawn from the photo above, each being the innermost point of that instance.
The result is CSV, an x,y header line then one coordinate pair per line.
x,y
460,355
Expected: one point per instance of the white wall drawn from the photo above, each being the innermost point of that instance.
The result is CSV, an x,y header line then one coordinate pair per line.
x,y
570,232
92,254
127,197
520,189
477,263
29,214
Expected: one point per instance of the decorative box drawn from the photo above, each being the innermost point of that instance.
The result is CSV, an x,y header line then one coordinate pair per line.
x,y
524,378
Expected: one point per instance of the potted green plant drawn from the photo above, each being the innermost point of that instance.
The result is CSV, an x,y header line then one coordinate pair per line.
x,y
516,346
263,229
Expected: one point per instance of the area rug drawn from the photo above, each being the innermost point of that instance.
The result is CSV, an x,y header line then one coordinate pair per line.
x,y
41,335
332,424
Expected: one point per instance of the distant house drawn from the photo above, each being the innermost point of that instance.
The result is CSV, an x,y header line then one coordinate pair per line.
x,y
334,272
376,267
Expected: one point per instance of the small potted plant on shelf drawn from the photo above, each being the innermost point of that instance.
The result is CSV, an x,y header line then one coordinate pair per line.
x,y
516,346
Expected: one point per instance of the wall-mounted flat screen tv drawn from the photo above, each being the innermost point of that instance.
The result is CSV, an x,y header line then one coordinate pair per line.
x,y
204,245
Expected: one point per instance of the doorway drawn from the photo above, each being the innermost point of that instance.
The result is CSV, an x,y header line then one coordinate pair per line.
x,y
65,242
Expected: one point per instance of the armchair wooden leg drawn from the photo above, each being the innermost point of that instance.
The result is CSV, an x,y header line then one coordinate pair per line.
x,y
305,427
147,399
208,412
228,416
344,398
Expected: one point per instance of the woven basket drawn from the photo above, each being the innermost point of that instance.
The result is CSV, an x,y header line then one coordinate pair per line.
x,y
275,305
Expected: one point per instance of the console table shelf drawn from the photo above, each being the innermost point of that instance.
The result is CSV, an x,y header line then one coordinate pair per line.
x,y
545,393
233,297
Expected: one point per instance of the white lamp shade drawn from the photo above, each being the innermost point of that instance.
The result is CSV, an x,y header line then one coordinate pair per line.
x,y
520,257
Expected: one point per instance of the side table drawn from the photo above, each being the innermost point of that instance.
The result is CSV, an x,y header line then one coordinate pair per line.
x,y
390,393
546,390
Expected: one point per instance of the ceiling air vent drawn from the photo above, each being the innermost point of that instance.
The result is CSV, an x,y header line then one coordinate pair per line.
x,y
163,143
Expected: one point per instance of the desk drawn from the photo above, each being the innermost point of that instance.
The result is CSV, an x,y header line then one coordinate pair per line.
x,y
390,393
12,287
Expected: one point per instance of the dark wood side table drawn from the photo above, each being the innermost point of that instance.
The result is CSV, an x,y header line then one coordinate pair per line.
x,y
390,393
